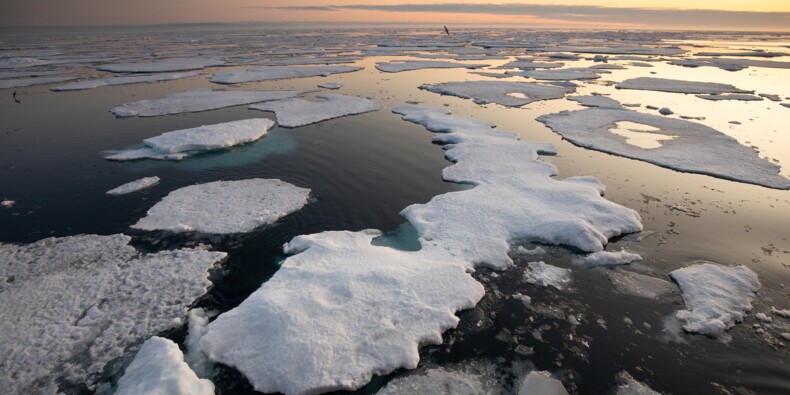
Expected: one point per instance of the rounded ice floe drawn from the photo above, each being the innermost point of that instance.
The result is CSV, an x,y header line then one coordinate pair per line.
x,y
627,385
198,100
678,86
267,73
293,113
134,186
72,305
544,275
179,144
716,297
159,369
339,311
512,94
134,79
693,148
224,207
409,65
541,383
606,258
161,66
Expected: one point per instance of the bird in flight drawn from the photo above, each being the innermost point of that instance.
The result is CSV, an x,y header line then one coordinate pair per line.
x,y
446,31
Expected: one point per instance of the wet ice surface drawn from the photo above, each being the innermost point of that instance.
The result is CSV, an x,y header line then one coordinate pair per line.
x,y
198,100
292,113
513,94
277,73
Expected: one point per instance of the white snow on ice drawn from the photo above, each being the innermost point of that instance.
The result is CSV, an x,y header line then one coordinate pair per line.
x,y
545,275
161,66
541,383
199,100
606,258
678,86
133,79
159,369
295,112
500,92
267,73
134,186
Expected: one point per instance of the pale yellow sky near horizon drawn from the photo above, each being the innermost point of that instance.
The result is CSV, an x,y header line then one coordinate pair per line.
x,y
775,14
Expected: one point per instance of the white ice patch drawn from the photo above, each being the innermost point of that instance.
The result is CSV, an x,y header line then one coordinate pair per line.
x,y
541,383
179,144
545,275
695,148
134,186
627,385
500,92
559,74
133,79
535,251
515,196
223,207
606,258
159,369
640,285
73,304
716,297
267,73
20,82
678,86
161,66
198,100
339,311
195,357
293,113
408,65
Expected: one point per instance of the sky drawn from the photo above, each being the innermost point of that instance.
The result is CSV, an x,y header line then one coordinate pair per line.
x,y
771,15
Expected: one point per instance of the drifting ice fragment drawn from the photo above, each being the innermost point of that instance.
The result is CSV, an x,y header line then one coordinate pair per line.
x,y
159,369
292,113
134,186
544,275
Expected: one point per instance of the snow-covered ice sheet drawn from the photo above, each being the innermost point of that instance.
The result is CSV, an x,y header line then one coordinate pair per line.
x,y
20,82
161,66
545,275
199,100
134,186
339,311
678,86
267,73
134,79
159,369
511,94
694,148
76,303
606,258
541,383
223,207
716,297
178,144
295,112
408,65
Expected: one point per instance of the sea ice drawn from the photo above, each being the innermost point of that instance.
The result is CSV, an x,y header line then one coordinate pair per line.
x,y
134,186
716,297
627,385
639,284
560,74
20,62
437,381
408,65
529,64
330,85
613,50
596,101
678,86
544,275
757,53
295,112
195,357
267,73
7,203
71,305
161,66
339,310
134,79
198,100
736,96
20,82
511,94
606,258
694,148
223,207
159,369
541,383
535,251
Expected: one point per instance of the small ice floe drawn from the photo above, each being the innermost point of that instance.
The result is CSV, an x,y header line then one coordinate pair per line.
x,y
438,381
161,66
678,86
535,251
305,60
560,74
521,63
525,299
763,317
541,383
596,101
511,94
627,385
640,285
755,53
198,100
600,58
134,79
665,111
159,368
88,298
18,62
178,144
607,66
267,73
785,313
545,275
713,152
568,56
770,96
785,104
224,207
640,64
330,85
606,258
295,112
735,96
409,65
20,82
339,310
7,203
134,186
716,297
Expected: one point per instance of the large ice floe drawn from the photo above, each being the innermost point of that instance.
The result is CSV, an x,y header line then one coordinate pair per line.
x,y
716,297
224,207
295,112
179,144
134,186
278,73
678,86
339,311
692,147
199,100
133,79
71,305
159,369
161,66
408,65
512,94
